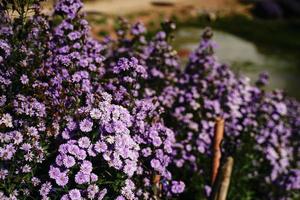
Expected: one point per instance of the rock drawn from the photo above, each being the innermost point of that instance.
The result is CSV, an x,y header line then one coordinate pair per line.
x,y
162,3
268,9
291,7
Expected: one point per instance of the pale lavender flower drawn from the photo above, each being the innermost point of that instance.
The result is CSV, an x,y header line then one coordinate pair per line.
x,y
45,189
74,194
94,177
35,181
62,179
156,164
281,108
3,173
177,187
69,161
120,198
100,147
82,177
86,125
24,79
26,168
65,197
86,166
102,194
92,191
84,142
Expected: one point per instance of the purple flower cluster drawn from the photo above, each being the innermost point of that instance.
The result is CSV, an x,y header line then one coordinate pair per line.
x,y
76,154
69,8
5,50
156,142
209,90
60,109
23,118
83,119
134,87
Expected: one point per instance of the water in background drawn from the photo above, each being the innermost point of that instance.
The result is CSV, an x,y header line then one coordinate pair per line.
x,y
249,59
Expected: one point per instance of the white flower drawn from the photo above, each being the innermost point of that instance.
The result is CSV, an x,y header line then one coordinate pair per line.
x,y
95,113
6,120
110,139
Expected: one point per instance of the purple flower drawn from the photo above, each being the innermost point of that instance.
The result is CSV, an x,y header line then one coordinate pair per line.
x,y
281,108
156,164
24,79
81,155
86,166
3,174
86,125
84,142
69,161
74,35
35,181
74,194
45,189
95,113
94,177
157,141
100,147
177,187
138,29
146,152
62,179
73,149
207,190
65,197
92,191
82,177
102,194
120,198
54,172
263,79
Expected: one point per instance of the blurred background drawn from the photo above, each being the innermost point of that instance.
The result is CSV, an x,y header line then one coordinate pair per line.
x,y
253,36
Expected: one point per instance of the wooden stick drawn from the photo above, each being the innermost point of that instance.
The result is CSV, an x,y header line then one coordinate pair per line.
x,y
157,186
219,134
225,177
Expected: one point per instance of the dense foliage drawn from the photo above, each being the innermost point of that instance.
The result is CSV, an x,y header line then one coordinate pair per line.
x,y
122,119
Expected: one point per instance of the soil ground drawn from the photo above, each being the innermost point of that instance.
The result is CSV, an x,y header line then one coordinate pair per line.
x,y
102,13
123,7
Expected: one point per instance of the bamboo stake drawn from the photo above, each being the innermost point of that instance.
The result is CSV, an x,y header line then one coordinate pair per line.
x,y
225,177
157,186
218,136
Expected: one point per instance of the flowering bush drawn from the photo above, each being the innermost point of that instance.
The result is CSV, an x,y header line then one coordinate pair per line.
x,y
71,138
257,131
121,119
